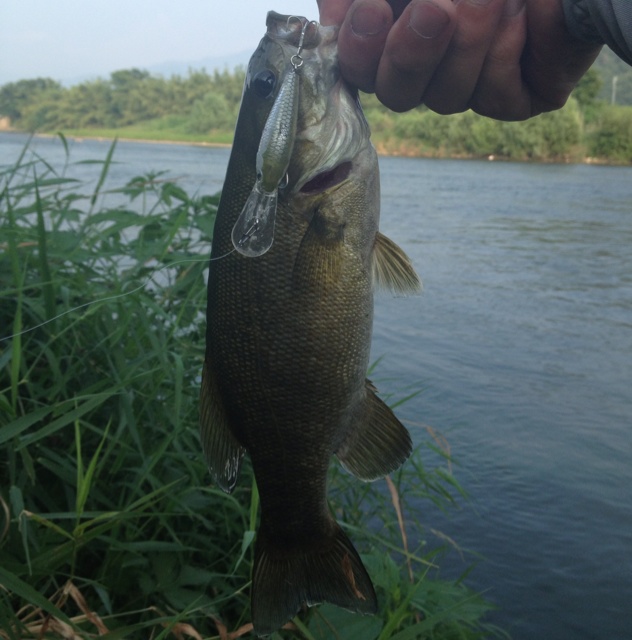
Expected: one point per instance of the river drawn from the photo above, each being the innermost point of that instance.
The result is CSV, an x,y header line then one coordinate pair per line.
x,y
521,345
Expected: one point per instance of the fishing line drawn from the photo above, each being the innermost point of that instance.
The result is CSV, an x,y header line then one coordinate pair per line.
x,y
118,295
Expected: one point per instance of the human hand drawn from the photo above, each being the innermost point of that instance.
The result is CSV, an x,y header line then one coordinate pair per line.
x,y
506,59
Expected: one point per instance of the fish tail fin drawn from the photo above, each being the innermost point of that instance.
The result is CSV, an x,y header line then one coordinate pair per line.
x,y
283,581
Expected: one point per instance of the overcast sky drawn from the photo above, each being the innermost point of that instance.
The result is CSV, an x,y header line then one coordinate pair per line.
x,y
74,39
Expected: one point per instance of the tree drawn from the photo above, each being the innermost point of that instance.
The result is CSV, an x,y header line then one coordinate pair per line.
x,y
613,137
16,96
610,66
211,112
588,88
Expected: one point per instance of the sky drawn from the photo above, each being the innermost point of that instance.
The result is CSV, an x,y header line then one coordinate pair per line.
x,y
75,40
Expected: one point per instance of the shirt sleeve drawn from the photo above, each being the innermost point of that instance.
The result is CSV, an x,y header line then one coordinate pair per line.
x,y
602,22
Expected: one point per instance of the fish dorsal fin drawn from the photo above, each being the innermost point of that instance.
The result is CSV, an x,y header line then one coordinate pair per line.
x,y
378,442
392,268
223,452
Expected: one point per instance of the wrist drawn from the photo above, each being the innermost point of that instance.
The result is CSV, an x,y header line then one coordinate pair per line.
x,y
579,21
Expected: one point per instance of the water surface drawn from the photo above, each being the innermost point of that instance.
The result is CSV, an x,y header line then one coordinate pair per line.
x,y
522,344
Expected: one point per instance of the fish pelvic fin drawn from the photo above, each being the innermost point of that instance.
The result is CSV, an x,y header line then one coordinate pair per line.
x,y
223,452
378,442
392,268
284,581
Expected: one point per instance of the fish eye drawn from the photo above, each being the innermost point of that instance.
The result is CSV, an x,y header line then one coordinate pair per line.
x,y
263,83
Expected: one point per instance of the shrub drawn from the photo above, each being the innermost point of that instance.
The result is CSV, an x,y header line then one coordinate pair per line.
x,y
613,135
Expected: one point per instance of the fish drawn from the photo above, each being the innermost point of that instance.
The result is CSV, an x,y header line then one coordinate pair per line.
x,y
289,329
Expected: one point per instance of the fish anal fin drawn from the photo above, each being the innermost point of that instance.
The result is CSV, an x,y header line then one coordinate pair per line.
x,y
223,452
392,268
378,442
284,581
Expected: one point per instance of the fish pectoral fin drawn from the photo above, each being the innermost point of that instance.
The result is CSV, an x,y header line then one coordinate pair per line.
x,y
392,268
378,442
223,452
284,580
321,257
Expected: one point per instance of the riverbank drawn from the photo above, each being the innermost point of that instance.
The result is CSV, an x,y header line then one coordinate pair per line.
x,y
78,137
388,148
137,134
202,109
403,150
385,145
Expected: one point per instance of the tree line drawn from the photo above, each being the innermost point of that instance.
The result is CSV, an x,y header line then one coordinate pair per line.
x,y
206,104
130,96
586,128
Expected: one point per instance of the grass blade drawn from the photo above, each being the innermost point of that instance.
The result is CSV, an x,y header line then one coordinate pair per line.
x,y
84,481
46,278
18,282
104,173
67,418
21,424
15,585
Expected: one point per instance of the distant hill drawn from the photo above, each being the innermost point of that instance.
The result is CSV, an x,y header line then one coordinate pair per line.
x,y
181,68
177,67
610,66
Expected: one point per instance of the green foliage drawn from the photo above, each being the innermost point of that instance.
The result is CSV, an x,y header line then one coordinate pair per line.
x,y
588,87
612,138
128,97
608,65
549,136
203,107
107,522
16,96
211,112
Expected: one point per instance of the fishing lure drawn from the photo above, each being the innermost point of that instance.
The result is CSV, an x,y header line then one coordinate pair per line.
x,y
253,233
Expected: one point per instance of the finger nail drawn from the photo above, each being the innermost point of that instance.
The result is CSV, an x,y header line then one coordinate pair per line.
x,y
513,8
428,20
366,21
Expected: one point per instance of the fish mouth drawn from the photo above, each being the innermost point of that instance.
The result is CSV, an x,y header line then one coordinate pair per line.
x,y
327,179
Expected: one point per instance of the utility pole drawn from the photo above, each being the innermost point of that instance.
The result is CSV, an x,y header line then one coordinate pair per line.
x,y
613,97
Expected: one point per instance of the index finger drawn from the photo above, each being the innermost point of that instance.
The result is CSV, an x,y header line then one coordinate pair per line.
x,y
333,11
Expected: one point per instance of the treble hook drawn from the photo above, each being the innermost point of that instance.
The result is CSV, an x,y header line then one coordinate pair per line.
x,y
252,229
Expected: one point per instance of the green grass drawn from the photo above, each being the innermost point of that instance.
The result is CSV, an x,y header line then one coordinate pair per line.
x,y
108,521
165,129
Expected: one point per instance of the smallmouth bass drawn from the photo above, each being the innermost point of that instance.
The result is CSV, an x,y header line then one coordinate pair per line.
x,y
289,328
